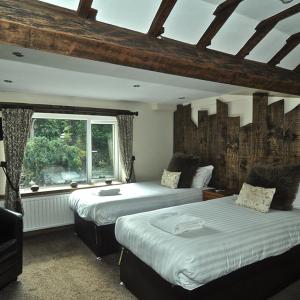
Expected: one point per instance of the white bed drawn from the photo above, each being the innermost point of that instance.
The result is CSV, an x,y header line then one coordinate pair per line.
x,y
233,237
133,198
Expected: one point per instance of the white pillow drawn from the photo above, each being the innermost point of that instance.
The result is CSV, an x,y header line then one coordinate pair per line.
x,y
296,202
255,197
202,177
170,179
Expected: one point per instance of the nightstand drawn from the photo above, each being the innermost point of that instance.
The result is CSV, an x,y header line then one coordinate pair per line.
x,y
214,194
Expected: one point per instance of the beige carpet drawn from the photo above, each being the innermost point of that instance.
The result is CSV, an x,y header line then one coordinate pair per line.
x,y
59,266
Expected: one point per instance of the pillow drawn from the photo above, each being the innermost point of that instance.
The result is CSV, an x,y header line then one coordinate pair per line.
x,y
170,179
296,202
284,178
254,197
187,165
202,177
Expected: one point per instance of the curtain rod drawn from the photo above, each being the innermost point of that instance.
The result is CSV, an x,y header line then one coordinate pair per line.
x,y
59,109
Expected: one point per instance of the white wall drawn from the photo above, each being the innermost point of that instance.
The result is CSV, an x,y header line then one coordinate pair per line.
x,y
153,130
238,105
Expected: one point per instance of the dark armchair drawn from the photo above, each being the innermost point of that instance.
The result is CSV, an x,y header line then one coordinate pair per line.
x,y
11,246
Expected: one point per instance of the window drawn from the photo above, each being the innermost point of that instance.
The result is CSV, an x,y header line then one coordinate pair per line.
x,y
64,148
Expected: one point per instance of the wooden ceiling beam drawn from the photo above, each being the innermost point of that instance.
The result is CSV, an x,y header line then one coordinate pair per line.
x,y
165,8
264,27
291,43
222,13
38,25
86,11
297,69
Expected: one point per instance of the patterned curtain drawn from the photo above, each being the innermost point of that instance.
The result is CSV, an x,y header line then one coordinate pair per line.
x,y
16,128
125,125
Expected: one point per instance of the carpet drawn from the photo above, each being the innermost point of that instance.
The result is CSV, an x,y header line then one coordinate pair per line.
x,y
59,266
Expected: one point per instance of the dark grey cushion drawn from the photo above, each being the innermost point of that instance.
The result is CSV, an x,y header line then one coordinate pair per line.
x,y
284,178
187,165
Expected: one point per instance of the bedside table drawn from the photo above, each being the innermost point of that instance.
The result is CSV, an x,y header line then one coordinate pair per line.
x,y
214,194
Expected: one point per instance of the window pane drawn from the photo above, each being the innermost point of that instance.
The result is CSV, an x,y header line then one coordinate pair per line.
x,y
102,151
55,153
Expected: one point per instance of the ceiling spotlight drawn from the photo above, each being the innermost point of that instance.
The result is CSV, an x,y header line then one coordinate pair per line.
x,y
18,54
286,1
7,81
181,98
136,86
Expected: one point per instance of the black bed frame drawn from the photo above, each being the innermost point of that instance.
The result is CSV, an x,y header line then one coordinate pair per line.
x,y
100,239
254,282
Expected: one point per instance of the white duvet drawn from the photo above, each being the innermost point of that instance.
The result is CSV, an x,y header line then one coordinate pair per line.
x,y
233,237
132,198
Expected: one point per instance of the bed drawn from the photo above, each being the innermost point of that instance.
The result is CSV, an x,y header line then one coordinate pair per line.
x,y
95,215
239,254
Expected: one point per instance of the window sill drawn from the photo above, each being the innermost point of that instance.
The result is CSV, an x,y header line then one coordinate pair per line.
x,y
61,190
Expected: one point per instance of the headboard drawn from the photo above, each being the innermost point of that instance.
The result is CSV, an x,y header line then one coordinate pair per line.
x,y
272,138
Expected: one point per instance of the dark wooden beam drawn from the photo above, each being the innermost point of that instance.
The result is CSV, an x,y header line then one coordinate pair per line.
x,y
37,25
264,27
291,43
59,109
86,11
165,8
222,13
297,69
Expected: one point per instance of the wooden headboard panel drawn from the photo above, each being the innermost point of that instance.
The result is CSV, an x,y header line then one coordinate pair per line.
x,y
272,138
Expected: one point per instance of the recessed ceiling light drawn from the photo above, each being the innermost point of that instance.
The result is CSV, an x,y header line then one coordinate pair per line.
x,y
136,85
18,54
181,98
7,81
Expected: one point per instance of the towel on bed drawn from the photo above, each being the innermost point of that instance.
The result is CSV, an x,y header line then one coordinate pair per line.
x,y
109,192
176,223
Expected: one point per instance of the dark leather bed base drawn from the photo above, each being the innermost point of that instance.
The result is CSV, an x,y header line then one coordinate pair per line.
x,y
100,239
254,282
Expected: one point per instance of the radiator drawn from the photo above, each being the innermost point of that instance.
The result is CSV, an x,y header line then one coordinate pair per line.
x,y
47,211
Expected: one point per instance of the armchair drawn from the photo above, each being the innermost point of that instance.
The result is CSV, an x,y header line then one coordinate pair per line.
x,y
11,246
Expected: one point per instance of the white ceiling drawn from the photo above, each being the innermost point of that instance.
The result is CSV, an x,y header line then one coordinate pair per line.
x,y
39,72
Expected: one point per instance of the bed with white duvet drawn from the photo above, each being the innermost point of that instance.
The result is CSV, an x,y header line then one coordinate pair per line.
x,y
232,237
132,198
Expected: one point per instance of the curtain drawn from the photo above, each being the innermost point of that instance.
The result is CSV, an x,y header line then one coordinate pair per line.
x,y
125,126
16,128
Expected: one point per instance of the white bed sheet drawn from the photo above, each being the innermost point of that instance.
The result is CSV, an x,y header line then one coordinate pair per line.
x,y
233,237
133,198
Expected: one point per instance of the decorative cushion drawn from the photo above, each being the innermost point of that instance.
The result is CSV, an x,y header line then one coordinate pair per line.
x,y
284,178
187,165
255,197
170,179
202,177
296,202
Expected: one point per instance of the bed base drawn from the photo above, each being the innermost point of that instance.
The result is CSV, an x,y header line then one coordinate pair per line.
x,y
100,239
256,281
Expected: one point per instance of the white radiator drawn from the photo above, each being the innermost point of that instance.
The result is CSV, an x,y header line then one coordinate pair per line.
x,y
47,211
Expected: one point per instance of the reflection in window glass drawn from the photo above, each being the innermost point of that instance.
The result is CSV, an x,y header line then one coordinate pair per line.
x,y
102,151
70,4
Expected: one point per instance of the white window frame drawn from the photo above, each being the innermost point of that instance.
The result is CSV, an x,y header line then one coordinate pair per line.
x,y
89,121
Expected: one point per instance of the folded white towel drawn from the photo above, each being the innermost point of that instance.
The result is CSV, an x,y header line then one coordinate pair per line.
x,y
175,223
109,192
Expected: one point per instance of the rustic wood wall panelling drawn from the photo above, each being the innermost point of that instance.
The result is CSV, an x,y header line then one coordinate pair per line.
x,y
259,129
221,143
203,126
245,152
212,145
275,124
272,138
232,153
292,136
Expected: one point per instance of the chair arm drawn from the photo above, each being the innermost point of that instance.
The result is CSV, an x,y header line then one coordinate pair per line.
x,y
11,223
